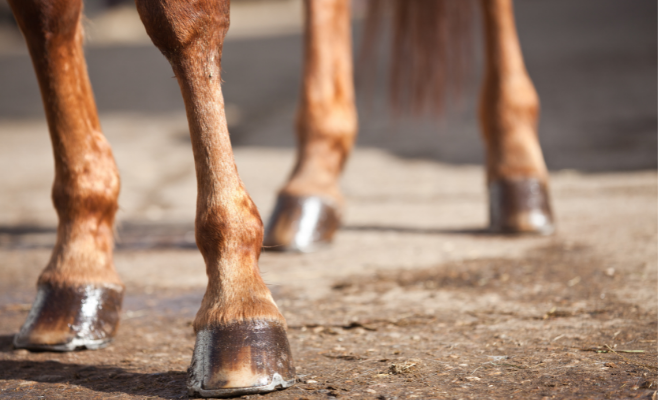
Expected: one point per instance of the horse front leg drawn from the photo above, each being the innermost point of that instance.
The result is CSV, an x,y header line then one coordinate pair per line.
x,y
79,292
308,208
509,110
241,344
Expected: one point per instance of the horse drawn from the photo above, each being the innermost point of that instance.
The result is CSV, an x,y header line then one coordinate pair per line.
x,y
241,342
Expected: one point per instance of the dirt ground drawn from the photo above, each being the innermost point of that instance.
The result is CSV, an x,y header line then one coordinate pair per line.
x,y
551,324
414,300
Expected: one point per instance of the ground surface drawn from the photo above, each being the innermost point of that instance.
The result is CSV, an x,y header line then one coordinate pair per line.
x,y
414,300
411,301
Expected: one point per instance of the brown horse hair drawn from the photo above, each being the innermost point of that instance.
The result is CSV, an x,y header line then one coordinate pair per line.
x,y
430,54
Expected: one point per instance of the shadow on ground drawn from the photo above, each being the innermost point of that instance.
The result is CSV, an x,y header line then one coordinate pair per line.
x,y
180,236
103,379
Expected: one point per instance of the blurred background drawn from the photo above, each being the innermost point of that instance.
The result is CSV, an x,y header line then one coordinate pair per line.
x,y
593,63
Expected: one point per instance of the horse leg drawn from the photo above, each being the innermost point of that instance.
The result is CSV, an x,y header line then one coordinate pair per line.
x,y
79,293
509,109
241,344
307,212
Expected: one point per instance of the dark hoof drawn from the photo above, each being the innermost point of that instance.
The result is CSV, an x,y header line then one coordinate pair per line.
x,y
71,318
241,358
301,224
520,206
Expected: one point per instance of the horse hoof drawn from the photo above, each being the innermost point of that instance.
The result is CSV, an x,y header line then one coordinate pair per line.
x,y
520,206
242,358
71,318
301,224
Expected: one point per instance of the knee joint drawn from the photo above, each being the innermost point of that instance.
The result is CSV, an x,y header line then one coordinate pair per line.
x,y
47,20
175,26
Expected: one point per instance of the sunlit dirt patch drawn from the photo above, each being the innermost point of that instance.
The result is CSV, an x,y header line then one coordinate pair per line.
x,y
544,326
547,325
562,274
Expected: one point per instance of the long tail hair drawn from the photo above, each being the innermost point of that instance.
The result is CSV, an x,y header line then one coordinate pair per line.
x,y
430,53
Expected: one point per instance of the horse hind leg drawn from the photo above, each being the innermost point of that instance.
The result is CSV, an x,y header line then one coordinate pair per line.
x,y
241,345
509,108
308,208
79,293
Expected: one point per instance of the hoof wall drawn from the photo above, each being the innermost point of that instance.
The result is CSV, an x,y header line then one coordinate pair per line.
x,y
520,206
277,383
242,358
71,318
301,224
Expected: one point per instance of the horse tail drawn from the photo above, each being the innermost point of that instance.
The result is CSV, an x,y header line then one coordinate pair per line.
x,y
430,53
